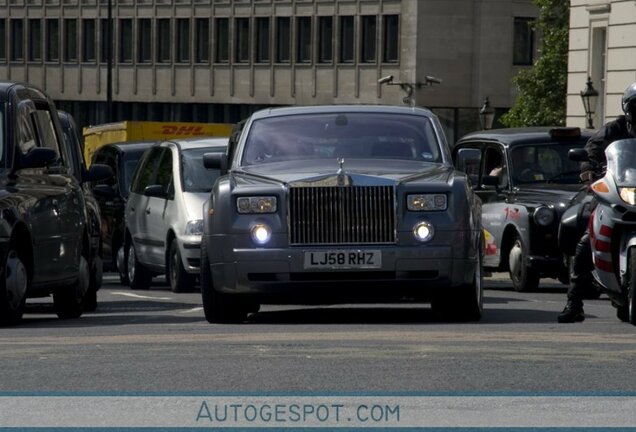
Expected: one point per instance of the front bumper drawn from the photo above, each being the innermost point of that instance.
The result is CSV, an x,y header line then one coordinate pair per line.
x,y
278,274
190,250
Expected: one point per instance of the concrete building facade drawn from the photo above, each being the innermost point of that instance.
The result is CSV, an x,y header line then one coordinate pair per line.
x,y
219,60
603,47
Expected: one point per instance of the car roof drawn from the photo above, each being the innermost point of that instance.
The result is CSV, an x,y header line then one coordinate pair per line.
x,y
198,142
326,109
519,136
128,146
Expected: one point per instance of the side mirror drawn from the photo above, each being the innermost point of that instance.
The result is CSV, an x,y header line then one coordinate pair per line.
x,y
38,157
105,191
216,160
489,180
98,172
467,158
156,191
578,155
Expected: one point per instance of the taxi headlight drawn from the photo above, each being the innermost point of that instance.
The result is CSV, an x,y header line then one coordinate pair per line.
x,y
426,202
194,227
261,234
543,216
628,194
256,204
423,231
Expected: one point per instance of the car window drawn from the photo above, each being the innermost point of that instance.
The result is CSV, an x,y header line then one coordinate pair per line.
x,y
145,174
127,171
544,163
45,132
494,165
106,156
164,175
350,135
195,177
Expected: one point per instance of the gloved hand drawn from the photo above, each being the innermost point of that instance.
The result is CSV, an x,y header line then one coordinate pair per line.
x,y
587,176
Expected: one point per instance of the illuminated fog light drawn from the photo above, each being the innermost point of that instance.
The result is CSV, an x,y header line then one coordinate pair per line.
x,y
423,231
261,234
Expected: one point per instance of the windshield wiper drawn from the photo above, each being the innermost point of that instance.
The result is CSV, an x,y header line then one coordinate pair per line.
x,y
563,174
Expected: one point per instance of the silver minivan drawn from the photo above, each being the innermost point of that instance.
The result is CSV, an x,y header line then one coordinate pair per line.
x,y
164,217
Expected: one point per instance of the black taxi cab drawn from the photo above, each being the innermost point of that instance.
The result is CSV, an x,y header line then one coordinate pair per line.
x,y
526,181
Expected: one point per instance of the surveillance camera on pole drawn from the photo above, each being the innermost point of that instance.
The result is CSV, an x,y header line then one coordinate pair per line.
x,y
386,80
409,88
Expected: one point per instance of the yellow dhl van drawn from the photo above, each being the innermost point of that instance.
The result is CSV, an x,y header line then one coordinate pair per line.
x,y
97,136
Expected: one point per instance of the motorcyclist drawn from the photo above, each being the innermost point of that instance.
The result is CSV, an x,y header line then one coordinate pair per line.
x,y
622,127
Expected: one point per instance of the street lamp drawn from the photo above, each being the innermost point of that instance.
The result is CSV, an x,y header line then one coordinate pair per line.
x,y
589,97
486,115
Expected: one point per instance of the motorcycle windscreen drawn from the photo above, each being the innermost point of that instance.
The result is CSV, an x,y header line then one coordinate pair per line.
x,y
621,161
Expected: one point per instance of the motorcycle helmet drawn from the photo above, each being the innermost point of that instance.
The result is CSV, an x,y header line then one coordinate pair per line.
x,y
629,104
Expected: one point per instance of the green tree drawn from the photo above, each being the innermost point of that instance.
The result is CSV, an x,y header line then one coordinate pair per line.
x,y
543,88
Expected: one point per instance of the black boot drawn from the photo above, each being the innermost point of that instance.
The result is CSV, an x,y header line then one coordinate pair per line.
x,y
573,312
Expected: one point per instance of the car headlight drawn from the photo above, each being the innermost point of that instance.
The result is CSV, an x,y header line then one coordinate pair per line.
x,y
261,234
543,216
194,227
628,194
256,204
423,231
426,202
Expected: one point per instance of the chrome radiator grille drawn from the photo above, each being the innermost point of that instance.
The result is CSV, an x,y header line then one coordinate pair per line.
x,y
341,215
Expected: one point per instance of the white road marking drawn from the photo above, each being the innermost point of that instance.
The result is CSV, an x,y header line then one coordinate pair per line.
x,y
196,309
140,296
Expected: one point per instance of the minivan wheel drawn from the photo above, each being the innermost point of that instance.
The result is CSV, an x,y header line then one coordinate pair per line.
x,y
138,275
180,280
122,265
13,288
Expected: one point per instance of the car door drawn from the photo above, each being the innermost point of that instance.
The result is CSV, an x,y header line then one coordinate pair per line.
x,y
136,220
157,208
111,204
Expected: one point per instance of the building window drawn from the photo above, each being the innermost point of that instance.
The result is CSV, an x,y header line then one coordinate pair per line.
x,y
125,40
17,40
346,39
523,42
391,38
283,39
182,53
3,38
144,35
88,40
35,40
325,39
303,49
242,40
52,40
368,35
163,40
202,40
222,40
105,40
262,40
70,40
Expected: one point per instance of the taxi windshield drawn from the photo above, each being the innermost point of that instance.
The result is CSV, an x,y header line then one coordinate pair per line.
x,y
341,135
544,163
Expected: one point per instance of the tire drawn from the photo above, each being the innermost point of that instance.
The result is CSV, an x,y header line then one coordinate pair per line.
x,y
96,278
139,277
217,307
523,278
13,288
180,280
631,288
465,304
122,265
69,301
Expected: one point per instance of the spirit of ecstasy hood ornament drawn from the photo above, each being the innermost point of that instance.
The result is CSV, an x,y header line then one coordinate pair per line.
x,y
341,175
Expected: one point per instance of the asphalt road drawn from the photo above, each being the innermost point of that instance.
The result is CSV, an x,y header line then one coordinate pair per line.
x,y
158,341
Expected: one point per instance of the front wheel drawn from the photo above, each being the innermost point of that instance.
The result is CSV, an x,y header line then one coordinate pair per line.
x,y
466,304
523,277
139,277
13,289
180,280
122,265
631,288
69,301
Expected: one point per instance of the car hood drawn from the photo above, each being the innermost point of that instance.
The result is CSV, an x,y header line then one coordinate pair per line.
x,y
193,202
353,172
558,195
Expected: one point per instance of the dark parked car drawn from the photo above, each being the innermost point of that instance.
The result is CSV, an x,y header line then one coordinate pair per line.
x,y
525,180
78,168
112,194
44,234
340,204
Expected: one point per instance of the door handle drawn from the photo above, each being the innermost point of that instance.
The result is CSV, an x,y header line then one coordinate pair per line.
x,y
148,210
132,209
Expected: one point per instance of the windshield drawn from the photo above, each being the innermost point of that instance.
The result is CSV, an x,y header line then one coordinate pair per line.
x,y
621,161
195,176
341,135
545,163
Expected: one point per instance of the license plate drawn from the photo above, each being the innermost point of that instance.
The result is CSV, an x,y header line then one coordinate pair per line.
x,y
343,259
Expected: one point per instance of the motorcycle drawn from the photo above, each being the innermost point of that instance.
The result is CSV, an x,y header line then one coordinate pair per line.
x,y
612,227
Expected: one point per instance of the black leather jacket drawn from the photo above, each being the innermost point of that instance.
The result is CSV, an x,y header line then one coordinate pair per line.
x,y
596,145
